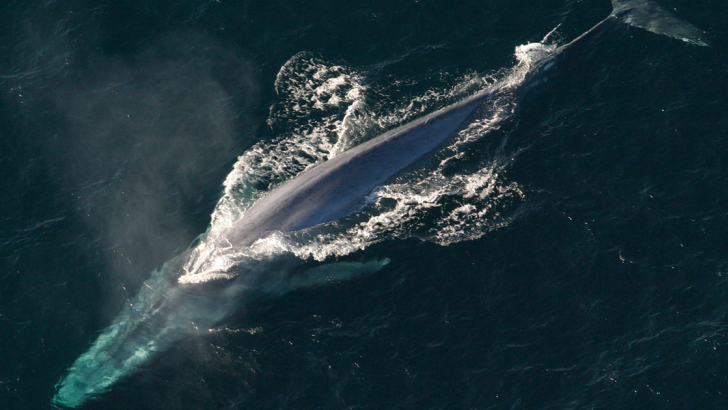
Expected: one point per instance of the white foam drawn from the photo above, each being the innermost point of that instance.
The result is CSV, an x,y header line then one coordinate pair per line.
x,y
531,53
317,109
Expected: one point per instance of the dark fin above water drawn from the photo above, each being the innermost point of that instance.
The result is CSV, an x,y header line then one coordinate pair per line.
x,y
646,14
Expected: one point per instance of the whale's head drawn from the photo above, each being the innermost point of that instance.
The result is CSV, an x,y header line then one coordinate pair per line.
x,y
147,325
162,313
167,310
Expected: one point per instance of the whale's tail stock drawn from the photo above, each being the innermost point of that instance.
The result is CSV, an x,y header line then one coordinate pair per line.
x,y
648,15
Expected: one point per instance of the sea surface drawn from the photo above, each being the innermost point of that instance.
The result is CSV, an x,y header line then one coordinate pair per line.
x,y
567,250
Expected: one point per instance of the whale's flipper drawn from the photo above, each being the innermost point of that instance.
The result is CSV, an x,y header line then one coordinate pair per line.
x,y
327,274
646,14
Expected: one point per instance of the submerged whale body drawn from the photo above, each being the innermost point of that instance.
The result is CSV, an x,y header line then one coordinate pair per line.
x,y
166,311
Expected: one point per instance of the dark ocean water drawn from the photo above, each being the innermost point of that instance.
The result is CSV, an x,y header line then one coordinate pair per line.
x,y
601,282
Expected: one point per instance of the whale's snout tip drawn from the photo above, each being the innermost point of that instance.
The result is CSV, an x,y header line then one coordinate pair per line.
x,y
72,391
68,397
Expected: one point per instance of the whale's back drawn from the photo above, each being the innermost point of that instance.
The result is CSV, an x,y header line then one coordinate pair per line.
x,y
337,187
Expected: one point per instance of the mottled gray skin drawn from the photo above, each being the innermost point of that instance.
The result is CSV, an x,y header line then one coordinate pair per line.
x,y
340,185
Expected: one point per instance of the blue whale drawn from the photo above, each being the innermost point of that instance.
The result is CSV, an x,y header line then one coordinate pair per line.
x,y
165,311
